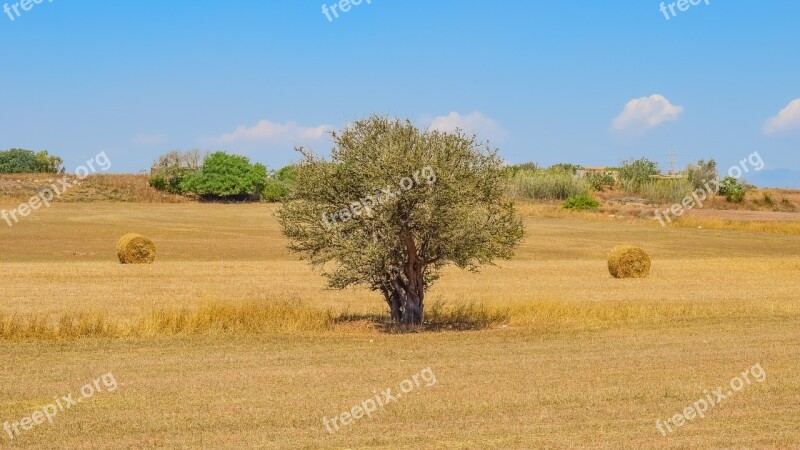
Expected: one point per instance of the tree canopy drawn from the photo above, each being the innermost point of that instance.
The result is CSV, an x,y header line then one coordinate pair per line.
x,y
226,176
396,204
17,160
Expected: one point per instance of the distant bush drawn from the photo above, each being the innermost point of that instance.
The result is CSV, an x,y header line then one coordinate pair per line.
x,y
524,167
581,202
546,185
279,185
733,190
665,191
635,173
17,160
225,176
172,168
702,172
571,169
601,181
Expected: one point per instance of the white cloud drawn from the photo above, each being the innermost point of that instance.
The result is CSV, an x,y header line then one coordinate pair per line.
x,y
150,139
266,130
475,123
787,119
644,113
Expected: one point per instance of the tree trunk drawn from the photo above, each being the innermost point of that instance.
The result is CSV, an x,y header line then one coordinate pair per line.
x,y
406,290
410,299
393,300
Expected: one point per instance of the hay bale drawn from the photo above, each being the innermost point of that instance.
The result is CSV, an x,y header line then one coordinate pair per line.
x,y
627,261
136,249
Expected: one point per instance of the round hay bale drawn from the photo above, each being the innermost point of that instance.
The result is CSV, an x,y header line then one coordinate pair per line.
x,y
136,249
627,261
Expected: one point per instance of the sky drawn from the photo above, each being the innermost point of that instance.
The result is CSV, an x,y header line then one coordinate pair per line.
x,y
584,82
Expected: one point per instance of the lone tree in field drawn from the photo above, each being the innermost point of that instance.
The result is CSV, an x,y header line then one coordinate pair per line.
x,y
394,205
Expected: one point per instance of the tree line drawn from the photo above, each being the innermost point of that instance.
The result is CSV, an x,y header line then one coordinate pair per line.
x,y
17,160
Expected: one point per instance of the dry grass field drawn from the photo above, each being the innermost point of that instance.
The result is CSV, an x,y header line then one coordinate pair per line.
x,y
228,341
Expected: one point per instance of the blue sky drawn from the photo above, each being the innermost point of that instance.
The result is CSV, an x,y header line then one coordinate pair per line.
x,y
561,81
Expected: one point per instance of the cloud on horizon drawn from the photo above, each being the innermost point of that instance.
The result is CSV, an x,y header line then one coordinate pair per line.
x,y
475,123
645,113
266,130
787,119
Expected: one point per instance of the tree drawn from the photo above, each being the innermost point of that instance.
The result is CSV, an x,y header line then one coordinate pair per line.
x,y
394,205
17,160
279,185
635,173
225,176
702,173
171,168
733,190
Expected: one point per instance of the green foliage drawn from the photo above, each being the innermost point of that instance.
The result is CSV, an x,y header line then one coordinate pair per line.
x,y
454,214
158,182
733,190
524,167
18,160
279,185
600,181
581,202
547,185
635,173
225,176
571,169
702,172
172,168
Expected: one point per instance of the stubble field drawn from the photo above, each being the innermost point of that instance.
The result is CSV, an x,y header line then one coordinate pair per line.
x,y
571,358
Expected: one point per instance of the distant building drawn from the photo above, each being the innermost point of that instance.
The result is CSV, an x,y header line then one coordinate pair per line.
x,y
598,170
669,177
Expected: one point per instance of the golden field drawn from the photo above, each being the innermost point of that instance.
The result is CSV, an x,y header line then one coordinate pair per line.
x,y
228,341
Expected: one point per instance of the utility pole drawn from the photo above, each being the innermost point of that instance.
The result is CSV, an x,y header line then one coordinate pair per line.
x,y
672,160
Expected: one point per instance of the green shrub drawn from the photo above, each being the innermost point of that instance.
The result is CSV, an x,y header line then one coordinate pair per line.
x,y
513,170
733,190
225,176
571,169
544,185
158,182
635,173
601,181
279,185
702,172
581,202
17,160
172,168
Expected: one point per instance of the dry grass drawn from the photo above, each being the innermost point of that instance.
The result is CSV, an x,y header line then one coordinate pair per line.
x,y
777,227
95,188
205,319
227,341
